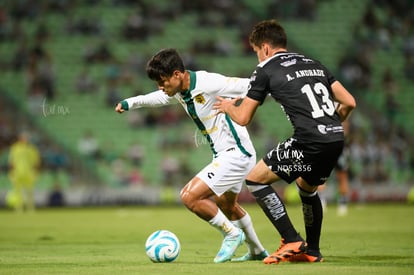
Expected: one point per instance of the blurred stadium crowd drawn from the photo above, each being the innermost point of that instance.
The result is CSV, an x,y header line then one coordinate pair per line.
x,y
35,39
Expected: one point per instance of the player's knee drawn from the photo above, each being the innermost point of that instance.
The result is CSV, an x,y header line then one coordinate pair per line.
x,y
254,186
187,199
306,190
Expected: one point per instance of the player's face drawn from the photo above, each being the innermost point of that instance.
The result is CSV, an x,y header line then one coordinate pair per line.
x,y
170,85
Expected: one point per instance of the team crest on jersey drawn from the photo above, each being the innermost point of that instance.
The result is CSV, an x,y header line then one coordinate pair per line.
x,y
200,99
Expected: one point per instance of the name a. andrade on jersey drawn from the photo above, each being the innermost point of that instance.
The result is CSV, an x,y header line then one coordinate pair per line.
x,y
302,73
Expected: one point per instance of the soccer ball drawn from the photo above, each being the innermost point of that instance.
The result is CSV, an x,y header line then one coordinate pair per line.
x,y
162,246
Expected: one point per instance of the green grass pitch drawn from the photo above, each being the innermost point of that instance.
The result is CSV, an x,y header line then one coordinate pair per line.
x,y
372,239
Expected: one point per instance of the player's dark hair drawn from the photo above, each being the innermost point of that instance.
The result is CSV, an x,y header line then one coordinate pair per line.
x,y
163,64
268,31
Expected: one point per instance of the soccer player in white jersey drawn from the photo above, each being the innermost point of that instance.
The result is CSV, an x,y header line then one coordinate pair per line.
x,y
233,152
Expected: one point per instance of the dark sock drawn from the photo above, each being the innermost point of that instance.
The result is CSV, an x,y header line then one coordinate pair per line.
x,y
313,215
275,211
342,200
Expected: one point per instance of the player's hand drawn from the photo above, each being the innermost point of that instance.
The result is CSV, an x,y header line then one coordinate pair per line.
x,y
119,109
222,104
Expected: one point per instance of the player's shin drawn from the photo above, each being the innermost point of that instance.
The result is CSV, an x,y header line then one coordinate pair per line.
x,y
275,210
222,224
313,215
253,243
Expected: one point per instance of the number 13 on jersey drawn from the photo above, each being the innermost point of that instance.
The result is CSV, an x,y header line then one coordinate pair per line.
x,y
327,106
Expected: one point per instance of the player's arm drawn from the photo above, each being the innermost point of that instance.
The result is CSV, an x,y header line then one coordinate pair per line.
x,y
154,99
344,98
241,113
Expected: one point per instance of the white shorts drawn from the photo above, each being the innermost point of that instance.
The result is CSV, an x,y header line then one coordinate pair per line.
x,y
227,171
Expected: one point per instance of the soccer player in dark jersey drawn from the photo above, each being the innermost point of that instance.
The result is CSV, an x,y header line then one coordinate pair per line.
x,y
316,104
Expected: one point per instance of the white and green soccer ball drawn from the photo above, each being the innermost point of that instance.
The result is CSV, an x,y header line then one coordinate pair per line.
x,y
162,246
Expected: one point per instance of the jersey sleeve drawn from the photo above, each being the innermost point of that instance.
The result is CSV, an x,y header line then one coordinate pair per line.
x,y
154,99
258,85
224,86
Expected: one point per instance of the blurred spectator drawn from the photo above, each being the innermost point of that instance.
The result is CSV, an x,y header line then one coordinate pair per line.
x,y
409,68
85,84
23,9
59,6
390,87
7,126
46,77
384,38
54,157
99,54
307,9
42,32
170,116
87,26
135,120
170,167
3,23
408,44
16,32
135,27
20,58
151,119
135,177
88,145
119,169
56,197
135,154
112,93
190,61
294,9
124,174
136,62
355,70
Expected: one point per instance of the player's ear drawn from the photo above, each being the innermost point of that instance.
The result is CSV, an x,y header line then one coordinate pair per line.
x,y
266,49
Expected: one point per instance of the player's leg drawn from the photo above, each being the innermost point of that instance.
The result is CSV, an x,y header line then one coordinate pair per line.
x,y
341,171
322,196
313,216
29,195
17,182
343,189
29,190
321,160
241,218
259,183
196,197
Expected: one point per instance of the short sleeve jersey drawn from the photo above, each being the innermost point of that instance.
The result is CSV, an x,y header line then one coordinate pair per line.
x,y
303,88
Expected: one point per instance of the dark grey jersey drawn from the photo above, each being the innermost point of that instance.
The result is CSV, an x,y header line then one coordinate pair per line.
x,y
303,87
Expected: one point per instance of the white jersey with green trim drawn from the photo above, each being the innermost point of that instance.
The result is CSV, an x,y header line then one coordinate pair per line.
x,y
219,130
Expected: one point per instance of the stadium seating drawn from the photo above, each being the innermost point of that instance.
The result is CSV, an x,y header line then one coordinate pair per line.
x,y
322,38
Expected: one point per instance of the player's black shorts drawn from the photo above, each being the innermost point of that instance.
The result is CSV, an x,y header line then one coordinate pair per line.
x,y
313,162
